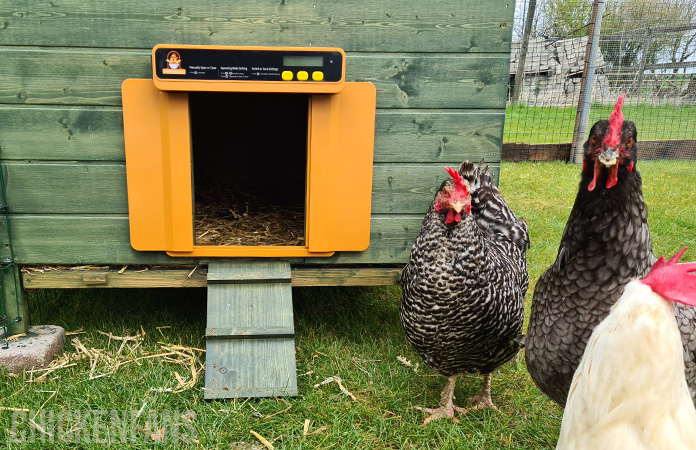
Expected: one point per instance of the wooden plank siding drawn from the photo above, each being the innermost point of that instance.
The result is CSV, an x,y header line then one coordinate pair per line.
x,y
69,133
93,77
104,239
355,25
97,188
440,68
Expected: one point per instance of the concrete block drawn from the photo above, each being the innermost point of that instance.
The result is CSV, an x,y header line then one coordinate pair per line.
x,y
37,349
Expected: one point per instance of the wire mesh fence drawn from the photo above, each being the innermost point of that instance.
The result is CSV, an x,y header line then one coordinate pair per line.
x,y
646,49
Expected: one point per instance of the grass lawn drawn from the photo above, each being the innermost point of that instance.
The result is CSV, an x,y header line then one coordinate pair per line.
x,y
352,333
551,124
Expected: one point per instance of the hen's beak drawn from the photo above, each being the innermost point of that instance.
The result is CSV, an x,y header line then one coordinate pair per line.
x,y
458,206
608,157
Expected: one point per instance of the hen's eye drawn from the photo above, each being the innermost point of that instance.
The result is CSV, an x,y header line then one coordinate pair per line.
x,y
593,139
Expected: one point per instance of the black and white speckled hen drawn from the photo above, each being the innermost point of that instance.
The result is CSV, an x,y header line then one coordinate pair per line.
x,y
463,290
605,245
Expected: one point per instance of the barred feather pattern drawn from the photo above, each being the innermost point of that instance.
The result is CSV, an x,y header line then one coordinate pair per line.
x,y
463,290
605,245
489,208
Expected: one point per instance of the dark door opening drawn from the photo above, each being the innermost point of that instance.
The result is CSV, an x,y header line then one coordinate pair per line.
x,y
249,158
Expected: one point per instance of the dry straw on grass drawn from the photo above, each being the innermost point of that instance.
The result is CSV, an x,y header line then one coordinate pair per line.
x,y
123,351
339,382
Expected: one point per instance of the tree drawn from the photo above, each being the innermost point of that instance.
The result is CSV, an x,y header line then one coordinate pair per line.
x,y
680,46
566,19
644,33
634,32
521,9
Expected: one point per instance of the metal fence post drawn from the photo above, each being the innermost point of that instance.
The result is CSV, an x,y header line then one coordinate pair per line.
x,y
585,102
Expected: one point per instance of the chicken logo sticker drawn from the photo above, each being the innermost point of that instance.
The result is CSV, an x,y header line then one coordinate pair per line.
x,y
174,64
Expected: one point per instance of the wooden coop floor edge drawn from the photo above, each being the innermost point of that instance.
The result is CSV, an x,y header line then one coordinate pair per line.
x,y
70,277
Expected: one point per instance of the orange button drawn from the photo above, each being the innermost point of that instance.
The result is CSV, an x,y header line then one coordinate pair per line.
x,y
286,75
317,76
302,75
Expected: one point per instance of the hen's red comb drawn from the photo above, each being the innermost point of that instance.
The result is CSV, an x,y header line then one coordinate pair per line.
x,y
673,281
458,180
613,136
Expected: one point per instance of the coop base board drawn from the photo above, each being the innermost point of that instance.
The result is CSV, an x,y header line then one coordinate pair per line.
x,y
71,278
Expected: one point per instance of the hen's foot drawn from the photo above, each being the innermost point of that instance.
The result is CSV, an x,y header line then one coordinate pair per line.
x,y
447,410
481,402
443,412
483,399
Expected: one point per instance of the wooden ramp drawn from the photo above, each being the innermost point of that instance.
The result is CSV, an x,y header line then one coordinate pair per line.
x,y
250,347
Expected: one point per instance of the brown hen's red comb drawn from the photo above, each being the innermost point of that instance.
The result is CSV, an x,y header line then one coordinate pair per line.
x,y
613,136
673,281
458,180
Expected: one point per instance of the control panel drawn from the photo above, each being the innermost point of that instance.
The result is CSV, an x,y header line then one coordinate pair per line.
x,y
282,69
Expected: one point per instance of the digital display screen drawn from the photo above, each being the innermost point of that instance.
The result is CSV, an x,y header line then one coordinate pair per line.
x,y
303,61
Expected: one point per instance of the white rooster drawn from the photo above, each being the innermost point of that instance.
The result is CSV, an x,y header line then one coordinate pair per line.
x,y
629,391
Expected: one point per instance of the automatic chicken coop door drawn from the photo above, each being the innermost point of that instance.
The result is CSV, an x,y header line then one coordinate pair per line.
x,y
248,151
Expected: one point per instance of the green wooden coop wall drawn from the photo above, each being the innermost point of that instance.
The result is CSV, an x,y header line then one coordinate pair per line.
x,y
440,68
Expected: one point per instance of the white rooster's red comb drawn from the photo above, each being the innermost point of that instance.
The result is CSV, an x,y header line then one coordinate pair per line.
x,y
673,281
458,180
613,137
